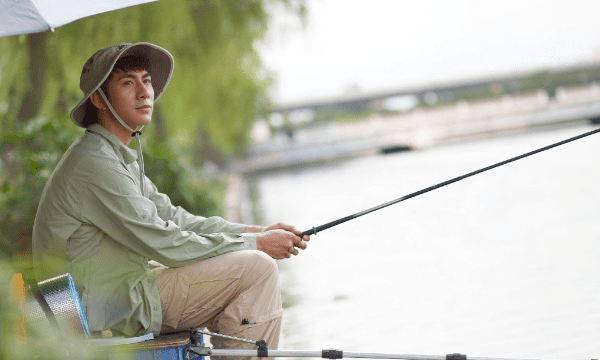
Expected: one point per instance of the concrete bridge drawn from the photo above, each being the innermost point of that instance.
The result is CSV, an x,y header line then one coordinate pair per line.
x,y
424,127
451,91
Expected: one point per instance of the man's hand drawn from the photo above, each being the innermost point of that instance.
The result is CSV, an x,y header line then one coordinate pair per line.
x,y
278,240
279,243
282,226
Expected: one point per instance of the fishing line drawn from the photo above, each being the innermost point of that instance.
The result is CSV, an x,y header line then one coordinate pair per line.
x,y
318,229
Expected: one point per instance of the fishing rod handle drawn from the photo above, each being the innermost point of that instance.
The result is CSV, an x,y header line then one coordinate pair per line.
x,y
312,231
318,229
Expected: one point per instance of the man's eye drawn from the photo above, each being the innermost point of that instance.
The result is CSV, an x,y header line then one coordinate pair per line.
x,y
147,81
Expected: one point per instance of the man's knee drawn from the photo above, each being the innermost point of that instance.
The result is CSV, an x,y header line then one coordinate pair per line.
x,y
259,263
266,262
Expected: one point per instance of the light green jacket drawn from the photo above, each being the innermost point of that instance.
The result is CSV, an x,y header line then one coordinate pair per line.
x,y
94,223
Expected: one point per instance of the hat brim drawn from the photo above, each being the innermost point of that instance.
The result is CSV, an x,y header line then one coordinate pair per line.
x,y
161,64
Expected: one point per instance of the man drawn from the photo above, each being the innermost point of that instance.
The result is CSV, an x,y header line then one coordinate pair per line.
x,y
102,220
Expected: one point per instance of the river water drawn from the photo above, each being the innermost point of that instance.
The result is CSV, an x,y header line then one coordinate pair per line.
x,y
502,264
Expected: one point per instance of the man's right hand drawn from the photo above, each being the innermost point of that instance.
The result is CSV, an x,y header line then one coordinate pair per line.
x,y
279,244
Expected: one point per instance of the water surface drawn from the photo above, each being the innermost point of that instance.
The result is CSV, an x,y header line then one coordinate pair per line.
x,y
503,264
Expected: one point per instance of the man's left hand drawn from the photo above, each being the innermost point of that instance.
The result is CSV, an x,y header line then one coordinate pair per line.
x,y
279,225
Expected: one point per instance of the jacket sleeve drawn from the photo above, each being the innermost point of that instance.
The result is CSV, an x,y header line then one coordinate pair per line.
x,y
187,221
113,203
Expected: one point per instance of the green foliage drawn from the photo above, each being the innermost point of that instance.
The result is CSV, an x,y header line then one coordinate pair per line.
x,y
35,151
185,184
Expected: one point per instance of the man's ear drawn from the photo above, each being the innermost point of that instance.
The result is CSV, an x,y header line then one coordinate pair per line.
x,y
98,101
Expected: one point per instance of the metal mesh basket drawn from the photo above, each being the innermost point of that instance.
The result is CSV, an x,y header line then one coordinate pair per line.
x,y
64,302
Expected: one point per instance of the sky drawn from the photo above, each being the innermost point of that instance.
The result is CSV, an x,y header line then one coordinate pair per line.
x,y
379,45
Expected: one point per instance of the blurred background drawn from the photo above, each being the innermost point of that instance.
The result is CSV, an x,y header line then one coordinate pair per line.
x,y
308,111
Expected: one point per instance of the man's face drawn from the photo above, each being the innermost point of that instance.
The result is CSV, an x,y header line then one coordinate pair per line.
x,y
132,96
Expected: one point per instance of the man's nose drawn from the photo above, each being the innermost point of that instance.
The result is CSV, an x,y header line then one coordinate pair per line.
x,y
143,91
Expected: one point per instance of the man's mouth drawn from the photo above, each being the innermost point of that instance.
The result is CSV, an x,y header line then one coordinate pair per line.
x,y
144,107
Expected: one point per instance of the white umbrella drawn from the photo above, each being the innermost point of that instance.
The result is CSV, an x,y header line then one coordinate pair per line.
x,y
32,16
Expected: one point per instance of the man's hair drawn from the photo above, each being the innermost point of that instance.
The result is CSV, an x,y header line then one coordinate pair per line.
x,y
124,64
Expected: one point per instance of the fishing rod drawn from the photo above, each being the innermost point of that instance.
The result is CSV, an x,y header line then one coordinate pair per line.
x,y
199,348
318,229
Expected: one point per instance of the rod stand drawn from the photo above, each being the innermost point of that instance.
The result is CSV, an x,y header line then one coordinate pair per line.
x,y
204,350
262,351
195,336
201,349
334,354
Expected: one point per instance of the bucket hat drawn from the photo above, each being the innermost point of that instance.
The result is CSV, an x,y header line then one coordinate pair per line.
x,y
98,67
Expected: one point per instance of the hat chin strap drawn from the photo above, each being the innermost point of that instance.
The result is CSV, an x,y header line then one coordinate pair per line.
x,y
138,145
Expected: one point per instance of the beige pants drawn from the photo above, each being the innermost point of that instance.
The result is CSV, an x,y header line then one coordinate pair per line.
x,y
234,294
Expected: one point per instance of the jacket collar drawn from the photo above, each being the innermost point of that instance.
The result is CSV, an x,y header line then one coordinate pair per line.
x,y
127,154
